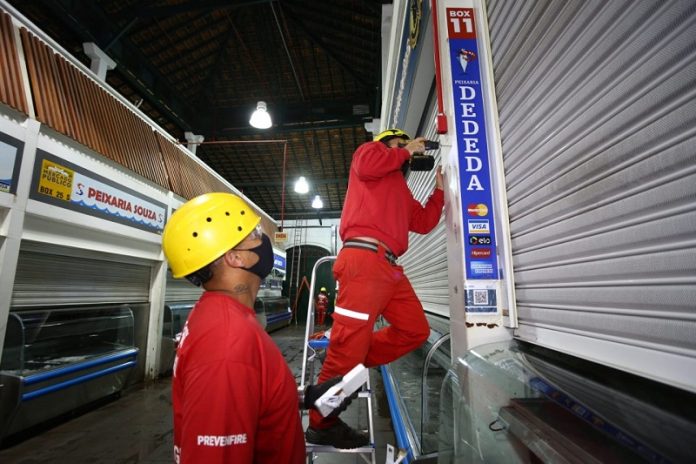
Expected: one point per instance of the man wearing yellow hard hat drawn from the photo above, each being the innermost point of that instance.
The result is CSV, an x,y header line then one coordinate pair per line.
x,y
379,211
234,398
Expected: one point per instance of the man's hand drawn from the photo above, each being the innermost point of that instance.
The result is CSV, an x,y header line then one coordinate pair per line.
x,y
314,392
439,180
416,145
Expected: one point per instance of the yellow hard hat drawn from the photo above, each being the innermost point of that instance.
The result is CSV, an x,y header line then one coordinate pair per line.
x,y
388,134
204,229
323,289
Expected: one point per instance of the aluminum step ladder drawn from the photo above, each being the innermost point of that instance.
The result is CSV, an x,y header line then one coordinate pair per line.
x,y
309,356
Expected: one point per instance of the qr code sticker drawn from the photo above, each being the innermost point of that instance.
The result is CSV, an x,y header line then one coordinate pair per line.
x,y
480,297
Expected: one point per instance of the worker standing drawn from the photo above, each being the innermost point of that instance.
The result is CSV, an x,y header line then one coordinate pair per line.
x,y
378,213
322,304
234,397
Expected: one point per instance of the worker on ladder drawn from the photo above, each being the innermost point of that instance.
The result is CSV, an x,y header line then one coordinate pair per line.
x,y
234,397
322,305
378,213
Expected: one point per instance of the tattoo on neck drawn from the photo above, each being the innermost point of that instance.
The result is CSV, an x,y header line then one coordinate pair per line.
x,y
240,289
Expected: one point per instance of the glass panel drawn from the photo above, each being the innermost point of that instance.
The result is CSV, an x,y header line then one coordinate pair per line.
x,y
434,375
515,402
55,337
411,374
12,353
276,305
167,322
180,312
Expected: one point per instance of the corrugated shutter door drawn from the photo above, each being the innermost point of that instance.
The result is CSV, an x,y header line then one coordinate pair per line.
x,y
425,262
180,289
597,104
45,278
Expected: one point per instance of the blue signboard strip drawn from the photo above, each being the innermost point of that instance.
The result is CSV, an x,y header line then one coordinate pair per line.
x,y
472,144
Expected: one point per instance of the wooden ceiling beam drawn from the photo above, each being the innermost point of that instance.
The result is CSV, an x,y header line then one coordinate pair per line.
x,y
191,6
90,23
320,43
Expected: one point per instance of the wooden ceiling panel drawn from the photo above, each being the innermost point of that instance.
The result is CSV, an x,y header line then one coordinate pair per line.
x,y
202,65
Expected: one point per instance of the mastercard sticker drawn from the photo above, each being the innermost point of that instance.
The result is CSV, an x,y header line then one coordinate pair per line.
x,y
477,209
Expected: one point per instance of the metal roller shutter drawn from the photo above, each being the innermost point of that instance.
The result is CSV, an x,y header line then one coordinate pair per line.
x,y
54,276
597,105
425,262
181,290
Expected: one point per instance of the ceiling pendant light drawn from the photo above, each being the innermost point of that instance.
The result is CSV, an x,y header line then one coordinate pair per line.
x,y
317,203
260,119
301,186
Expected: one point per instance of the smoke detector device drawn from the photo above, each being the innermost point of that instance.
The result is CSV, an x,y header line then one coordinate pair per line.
x,y
335,395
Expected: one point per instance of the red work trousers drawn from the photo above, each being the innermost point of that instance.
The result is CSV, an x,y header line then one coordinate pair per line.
x,y
321,305
370,286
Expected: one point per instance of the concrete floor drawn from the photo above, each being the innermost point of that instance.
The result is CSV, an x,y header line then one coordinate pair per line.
x,y
137,428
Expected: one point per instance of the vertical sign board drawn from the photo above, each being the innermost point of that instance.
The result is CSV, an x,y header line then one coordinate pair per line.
x,y
477,202
279,264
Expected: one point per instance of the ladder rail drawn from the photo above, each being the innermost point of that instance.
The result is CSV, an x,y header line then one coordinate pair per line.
x,y
307,378
309,330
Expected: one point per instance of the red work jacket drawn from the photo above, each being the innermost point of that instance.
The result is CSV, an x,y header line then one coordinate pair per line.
x,y
322,302
379,203
234,398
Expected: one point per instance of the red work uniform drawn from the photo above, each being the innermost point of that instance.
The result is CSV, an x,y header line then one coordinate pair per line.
x,y
234,398
379,205
322,305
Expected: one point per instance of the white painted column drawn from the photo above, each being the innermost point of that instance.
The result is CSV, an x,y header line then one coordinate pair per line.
x,y
158,288
193,141
13,224
101,63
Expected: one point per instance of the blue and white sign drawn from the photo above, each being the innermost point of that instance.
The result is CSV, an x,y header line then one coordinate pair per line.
x,y
479,230
278,261
61,183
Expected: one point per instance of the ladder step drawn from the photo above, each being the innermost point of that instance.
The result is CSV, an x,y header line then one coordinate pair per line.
x,y
312,448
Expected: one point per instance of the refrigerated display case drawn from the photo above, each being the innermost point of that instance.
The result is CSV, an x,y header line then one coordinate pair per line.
x,y
175,315
58,359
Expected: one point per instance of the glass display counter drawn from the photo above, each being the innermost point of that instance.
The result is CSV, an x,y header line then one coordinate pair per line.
x,y
514,402
273,312
174,318
55,360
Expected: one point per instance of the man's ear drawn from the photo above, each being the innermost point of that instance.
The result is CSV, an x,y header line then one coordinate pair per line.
x,y
234,259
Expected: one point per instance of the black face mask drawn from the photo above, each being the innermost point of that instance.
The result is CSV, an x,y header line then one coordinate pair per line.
x,y
265,253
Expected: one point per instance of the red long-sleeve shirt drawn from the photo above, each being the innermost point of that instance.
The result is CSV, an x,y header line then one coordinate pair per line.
x,y
234,398
322,301
379,203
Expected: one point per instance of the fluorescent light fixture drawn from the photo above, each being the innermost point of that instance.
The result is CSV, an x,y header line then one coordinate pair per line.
x,y
260,119
317,203
301,186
